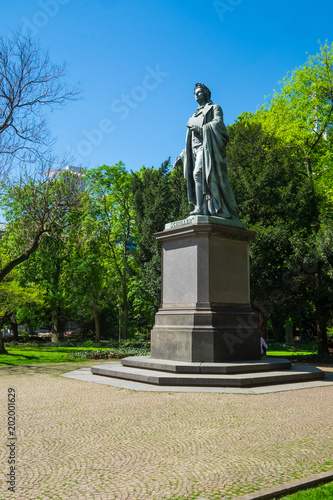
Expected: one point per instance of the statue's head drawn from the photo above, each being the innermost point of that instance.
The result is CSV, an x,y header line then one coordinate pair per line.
x,y
205,90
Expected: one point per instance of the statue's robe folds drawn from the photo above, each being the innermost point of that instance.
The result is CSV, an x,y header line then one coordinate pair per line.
x,y
216,184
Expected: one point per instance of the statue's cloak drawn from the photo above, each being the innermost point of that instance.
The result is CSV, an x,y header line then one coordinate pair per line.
x,y
216,184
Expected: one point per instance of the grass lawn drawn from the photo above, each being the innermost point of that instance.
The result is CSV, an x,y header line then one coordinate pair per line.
x,y
320,493
287,353
31,354
290,352
300,348
324,492
23,355
299,352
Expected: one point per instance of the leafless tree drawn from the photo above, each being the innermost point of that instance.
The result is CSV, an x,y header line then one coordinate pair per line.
x,y
30,87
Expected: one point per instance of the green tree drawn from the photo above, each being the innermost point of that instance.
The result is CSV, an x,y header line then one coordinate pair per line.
x,y
16,299
51,209
111,207
86,277
46,265
300,115
33,207
290,271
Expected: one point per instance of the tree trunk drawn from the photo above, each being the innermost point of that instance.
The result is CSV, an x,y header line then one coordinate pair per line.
x,y
23,257
97,327
2,345
289,331
322,313
54,322
322,336
125,308
277,330
308,167
14,327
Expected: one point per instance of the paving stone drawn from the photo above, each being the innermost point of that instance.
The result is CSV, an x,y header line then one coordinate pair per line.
x,y
79,440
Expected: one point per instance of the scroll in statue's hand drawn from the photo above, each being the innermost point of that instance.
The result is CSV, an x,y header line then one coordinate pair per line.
x,y
178,162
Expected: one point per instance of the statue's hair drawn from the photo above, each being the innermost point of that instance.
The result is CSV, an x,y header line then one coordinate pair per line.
x,y
206,90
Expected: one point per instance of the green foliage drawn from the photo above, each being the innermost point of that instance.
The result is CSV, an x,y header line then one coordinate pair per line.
x,y
109,353
300,116
17,299
87,275
34,206
40,211
111,210
278,203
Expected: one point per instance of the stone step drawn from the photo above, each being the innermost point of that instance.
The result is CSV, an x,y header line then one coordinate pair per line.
x,y
266,364
297,373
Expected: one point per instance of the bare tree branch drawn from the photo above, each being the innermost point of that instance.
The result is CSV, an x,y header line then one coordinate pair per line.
x,y
30,86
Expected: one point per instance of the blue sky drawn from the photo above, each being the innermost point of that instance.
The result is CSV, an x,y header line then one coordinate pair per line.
x,y
137,63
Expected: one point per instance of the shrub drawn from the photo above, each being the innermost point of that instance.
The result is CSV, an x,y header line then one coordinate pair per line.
x,y
109,353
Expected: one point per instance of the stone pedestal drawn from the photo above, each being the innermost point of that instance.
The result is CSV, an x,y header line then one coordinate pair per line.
x,y
205,333
205,315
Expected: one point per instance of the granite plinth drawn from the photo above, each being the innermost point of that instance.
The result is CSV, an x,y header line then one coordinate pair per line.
x,y
205,315
205,334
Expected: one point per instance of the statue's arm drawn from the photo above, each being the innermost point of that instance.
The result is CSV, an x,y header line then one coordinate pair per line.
x,y
217,123
218,114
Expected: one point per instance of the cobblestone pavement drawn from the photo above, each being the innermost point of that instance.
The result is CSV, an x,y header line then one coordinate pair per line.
x,y
80,440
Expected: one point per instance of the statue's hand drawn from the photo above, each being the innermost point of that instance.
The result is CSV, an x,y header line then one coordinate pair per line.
x,y
196,129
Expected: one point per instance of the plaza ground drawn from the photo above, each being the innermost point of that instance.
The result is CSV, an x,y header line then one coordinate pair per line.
x,y
79,440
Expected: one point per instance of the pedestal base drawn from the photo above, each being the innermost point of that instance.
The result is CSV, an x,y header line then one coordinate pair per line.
x,y
211,334
205,314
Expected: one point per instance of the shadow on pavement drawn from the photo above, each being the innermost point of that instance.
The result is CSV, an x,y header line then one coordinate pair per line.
x,y
46,369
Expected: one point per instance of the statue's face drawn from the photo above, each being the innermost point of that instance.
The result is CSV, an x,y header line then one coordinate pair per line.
x,y
200,96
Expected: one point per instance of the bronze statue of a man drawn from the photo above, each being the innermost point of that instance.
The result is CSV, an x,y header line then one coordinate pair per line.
x,y
204,160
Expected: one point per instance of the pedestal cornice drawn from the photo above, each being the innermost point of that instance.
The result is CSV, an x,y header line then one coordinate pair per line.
x,y
206,224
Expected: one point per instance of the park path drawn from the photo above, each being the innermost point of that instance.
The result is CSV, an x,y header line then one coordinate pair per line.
x,y
80,440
